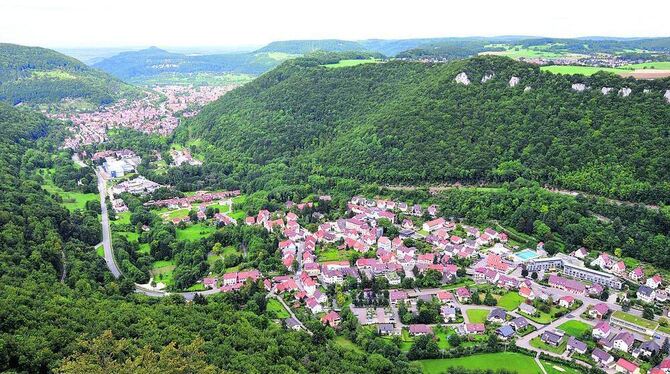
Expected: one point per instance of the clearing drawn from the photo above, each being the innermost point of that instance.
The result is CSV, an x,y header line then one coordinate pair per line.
x,y
477,315
575,328
513,361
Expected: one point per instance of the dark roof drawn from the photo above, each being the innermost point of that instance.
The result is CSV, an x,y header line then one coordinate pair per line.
x,y
497,313
601,355
505,331
576,344
650,346
645,290
384,327
520,322
552,337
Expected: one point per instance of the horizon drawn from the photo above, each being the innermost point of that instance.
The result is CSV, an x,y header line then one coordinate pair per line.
x,y
80,24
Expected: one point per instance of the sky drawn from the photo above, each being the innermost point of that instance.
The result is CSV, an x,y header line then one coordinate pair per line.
x,y
165,23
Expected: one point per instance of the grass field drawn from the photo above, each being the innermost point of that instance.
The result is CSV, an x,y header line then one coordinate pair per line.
x,y
194,232
350,63
512,361
333,254
575,328
477,315
162,272
100,251
71,200
197,287
583,70
122,218
275,306
554,368
346,343
664,65
510,301
544,318
195,79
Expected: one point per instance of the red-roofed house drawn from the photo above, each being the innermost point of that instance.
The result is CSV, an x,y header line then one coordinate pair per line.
x,y
625,366
331,319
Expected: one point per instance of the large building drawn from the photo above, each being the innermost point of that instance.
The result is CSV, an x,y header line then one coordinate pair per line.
x,y
575,269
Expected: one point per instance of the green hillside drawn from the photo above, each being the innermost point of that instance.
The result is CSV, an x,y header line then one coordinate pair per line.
x,y
152,62
33,76
411,123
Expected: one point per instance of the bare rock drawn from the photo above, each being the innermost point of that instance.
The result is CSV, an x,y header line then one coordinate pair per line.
x,y
488,77
667,96
625,91
579,87
527,89
514,81
462,78
606,90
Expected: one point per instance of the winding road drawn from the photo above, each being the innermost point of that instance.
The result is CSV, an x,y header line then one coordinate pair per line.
x,y
106,232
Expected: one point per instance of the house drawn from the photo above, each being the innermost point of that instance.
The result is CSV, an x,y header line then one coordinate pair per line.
x,y
581,253
519,323
433,225
625,366
229,279
420,329
250,220
623,341
599,310
527,293
497,315
448,313
314,306
602,358
646,294
601,330
604,261
292,324
654,282
331,319
566,301
576,345
665,365
619,268
566,284
463,295
636,274
445,297
386,329
395,296
474,328
648,349
209,282
554,338
527,308
505,332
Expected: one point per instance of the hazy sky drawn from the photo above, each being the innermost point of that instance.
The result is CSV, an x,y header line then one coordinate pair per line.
x,y
90,23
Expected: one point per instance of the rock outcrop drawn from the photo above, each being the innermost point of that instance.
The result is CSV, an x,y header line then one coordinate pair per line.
x,y
625,91
488,77
579,87
606,90
514,81
667,96
462,78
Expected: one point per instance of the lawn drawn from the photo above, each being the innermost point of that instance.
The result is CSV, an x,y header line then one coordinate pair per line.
x,y
442,334
350,63
664,65
275,306
554,368
333,254
197,287
510,301
162,272
543,318
346,343
71,200
539,344
477,315
177,213
194,232
238,215
575,328
122,218
512,361
144,248
100,251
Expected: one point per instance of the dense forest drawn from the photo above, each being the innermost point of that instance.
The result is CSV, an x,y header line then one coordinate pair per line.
x,y
34,75
62,310
153,61
299,47
411,123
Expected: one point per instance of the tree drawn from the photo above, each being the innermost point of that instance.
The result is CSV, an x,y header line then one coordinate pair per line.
x,y
648,312
524,272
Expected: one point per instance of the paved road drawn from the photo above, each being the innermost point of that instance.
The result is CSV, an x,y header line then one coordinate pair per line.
x,y
106,232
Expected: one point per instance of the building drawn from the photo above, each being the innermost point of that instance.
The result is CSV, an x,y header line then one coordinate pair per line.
x,y
646,294
602,358
420,329
576,345
554,337
625,366
574,270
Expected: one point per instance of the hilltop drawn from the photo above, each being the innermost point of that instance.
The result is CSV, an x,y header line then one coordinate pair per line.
x,y
306,46
413,123
138,65
40,76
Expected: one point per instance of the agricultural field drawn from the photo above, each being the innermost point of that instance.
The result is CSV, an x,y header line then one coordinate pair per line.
x,y
350,63
513,361
477,315
659,70
583,70
575,328
194,79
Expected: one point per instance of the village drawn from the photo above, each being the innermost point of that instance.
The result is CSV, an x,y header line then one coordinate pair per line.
x,y
158,112
443,278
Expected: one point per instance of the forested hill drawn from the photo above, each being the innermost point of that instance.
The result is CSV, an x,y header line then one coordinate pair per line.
x,y
306,46
48,325
153,61
412,123
33,75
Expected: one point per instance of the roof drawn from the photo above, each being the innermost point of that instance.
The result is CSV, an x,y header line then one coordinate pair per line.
x,y
420,329
601,355
576,344
506,331
631,367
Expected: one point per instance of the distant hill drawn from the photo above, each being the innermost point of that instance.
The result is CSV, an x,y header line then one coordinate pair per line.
x,y
153,61
34,76
306,46
412,123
